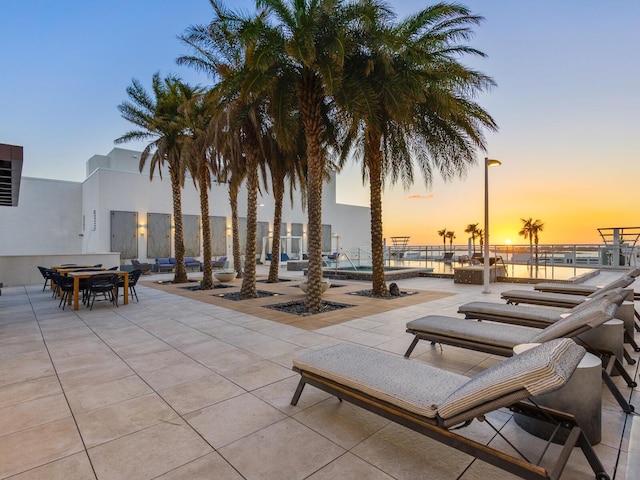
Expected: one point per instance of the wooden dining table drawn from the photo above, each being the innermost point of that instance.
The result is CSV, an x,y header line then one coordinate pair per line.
x,y
57,268
78,275
65,269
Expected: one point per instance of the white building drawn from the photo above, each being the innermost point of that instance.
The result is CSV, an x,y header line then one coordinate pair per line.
x,y
118,210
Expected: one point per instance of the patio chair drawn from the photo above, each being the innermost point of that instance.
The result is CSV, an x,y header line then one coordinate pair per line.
x,y
499,339
64,288
219,263
448,257
438,403
145,268
104,284
46,274
133,280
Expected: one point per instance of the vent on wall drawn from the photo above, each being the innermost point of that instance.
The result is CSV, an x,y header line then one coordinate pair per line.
x,y
95,221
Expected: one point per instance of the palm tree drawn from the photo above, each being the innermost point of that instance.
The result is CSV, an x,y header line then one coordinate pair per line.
x,y
219,49
300,53
451,236
480,235
282,164
159,118
472,229
443,234
527,232
536,228
408,98
199,115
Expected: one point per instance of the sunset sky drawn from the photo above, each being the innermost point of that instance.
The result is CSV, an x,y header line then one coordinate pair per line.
x,y
567,105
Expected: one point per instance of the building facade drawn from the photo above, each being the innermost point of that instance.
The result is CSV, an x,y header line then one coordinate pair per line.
x,y
117,208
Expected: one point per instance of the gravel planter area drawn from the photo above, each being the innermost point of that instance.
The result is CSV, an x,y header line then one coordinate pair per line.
x,y
298,307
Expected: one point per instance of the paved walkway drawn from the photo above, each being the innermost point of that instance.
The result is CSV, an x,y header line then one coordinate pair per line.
x,y
188,386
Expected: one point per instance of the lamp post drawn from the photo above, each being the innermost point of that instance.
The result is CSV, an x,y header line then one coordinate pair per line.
x,y
487,268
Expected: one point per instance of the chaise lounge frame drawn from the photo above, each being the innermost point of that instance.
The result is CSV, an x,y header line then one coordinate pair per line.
x,y
435,429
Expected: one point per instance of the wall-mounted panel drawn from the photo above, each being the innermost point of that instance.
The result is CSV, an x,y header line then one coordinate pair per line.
x,y
159,235
191,230
124,234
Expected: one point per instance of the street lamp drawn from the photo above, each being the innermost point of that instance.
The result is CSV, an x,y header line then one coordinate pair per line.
x,y
487,274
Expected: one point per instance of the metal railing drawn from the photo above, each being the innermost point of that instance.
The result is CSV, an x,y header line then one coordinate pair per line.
x,y
588,255
570,255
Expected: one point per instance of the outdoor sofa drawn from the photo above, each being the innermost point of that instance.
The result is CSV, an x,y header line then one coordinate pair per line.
x,y
168,264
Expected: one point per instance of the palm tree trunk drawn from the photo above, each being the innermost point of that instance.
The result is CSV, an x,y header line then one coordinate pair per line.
x,y
531,247
277,185
180,274
374,165
235,228
207,270
311,100
248,288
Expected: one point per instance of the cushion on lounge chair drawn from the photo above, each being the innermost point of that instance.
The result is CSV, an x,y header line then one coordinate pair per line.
x,y
618,283
502,337
591,315
430,391
538,370
414,386
502,311
561,299
530,315
479,332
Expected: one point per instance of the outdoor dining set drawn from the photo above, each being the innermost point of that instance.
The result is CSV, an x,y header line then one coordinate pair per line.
x,y
72,283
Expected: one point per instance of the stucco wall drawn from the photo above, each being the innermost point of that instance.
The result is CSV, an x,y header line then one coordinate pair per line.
x,y
47,219
57,217
23,269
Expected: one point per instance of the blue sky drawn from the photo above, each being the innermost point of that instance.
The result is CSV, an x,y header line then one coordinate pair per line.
x,y
567,100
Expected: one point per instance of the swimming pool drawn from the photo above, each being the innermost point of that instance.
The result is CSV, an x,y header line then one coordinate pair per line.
x,y
516,273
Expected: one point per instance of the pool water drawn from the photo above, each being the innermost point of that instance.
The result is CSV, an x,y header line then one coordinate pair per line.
x,y
516,273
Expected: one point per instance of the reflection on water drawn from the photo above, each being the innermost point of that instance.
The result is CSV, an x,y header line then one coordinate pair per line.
x,y
514,271
542,272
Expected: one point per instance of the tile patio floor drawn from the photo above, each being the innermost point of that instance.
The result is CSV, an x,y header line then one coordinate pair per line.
x,y
190,386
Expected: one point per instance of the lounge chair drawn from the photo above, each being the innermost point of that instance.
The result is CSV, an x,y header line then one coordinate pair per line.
x,y
499,339
541,317
532,297
431,401
566,300
448,257
579,289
